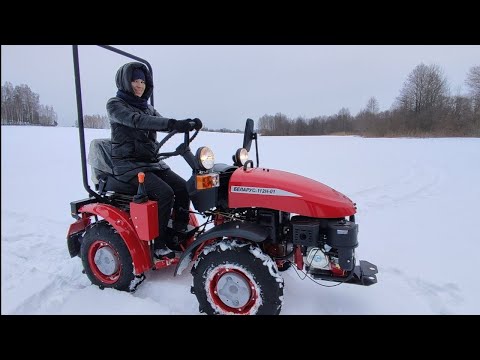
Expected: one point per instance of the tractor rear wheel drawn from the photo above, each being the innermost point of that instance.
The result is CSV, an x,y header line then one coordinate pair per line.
x,y
105,257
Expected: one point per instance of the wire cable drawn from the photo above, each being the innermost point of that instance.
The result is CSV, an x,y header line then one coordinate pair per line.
x,y
315,281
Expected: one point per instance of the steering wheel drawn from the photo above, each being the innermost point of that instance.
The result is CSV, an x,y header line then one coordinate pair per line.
x,y
180,148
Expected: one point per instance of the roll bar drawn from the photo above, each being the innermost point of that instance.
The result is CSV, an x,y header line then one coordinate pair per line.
x,y
78,90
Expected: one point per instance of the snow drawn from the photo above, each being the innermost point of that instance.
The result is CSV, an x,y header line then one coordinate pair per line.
x,y
417,213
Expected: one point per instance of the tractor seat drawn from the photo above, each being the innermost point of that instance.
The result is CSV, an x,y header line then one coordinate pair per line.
x,y
100,159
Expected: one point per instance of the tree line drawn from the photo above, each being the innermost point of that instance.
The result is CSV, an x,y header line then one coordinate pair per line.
x,y
222,130
424,107
21,106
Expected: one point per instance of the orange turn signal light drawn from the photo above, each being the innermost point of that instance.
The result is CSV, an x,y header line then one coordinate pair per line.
x,y
207,181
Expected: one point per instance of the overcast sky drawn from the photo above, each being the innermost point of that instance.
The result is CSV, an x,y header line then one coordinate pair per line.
x,y
224,85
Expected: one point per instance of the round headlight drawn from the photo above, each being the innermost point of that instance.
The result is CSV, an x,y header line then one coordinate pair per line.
x,y
241,156
205,157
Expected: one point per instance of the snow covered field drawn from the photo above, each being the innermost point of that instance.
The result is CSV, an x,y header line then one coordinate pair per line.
x,y
417,212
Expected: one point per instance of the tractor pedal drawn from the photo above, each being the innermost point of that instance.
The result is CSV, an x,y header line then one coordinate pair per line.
x,y
186,232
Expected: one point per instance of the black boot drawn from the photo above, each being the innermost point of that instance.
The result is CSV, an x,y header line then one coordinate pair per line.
x,y
180,226
181,220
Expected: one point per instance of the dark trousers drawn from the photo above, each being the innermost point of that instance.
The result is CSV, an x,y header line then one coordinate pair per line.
x,y
167,188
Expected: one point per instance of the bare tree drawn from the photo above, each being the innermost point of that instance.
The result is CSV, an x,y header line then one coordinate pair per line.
x,y
7,102
317,125
372,106
425,87
21,106
344,120
300,126
47,116
473,81
423,94
265,125
365,119
281,124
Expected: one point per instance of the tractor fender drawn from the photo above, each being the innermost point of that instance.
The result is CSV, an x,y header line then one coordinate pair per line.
x,y
75,231
120,221
237,229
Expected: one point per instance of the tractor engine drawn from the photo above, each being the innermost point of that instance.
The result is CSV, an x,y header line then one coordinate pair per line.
x,y
328,244
278,225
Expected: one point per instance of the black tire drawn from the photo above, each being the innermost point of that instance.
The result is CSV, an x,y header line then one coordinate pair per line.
x,y
112,267
248,278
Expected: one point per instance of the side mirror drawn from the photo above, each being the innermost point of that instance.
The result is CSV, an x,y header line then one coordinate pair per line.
x,y
248,135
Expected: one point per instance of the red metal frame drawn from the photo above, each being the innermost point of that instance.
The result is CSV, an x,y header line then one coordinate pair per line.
x,y
219,220
298,257
308,197
120,220
165,262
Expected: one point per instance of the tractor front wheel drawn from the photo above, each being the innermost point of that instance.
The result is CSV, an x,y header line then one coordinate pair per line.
x,y
232,277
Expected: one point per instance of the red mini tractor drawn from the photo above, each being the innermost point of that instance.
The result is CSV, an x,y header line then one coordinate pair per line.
x,y
259,222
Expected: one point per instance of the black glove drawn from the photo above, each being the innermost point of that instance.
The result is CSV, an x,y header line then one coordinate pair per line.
x,y
181,125
198,124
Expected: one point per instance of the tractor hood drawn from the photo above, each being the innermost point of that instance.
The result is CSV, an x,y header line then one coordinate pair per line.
x,y
281,190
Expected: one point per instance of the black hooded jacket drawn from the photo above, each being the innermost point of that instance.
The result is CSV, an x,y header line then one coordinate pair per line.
x,y
134,131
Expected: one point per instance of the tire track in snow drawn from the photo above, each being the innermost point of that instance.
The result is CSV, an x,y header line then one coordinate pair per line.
x,y
50,298
38,260
440,297
162,287
416,185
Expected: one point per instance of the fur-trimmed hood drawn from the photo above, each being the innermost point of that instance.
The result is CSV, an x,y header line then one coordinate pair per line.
x,y
124,76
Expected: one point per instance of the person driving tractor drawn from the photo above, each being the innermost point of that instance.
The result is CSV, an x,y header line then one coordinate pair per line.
x,y
134,124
